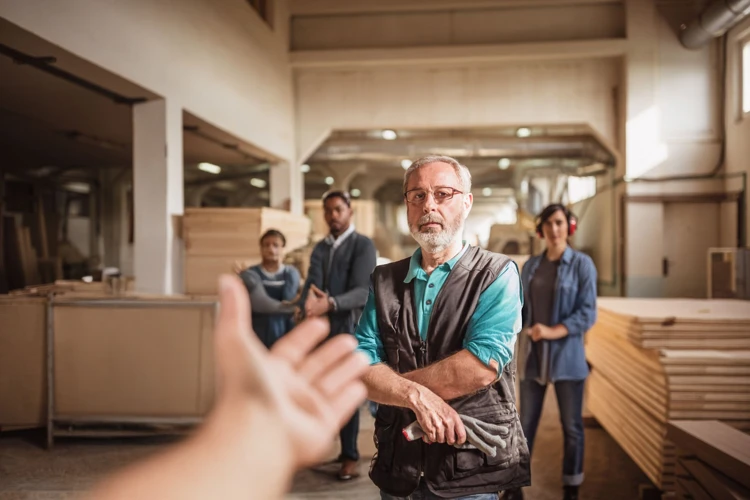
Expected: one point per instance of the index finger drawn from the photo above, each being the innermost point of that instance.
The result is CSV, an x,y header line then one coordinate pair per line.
x,y
295,345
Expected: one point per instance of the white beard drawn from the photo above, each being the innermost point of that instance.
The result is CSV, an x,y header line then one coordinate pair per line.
x,y
436,241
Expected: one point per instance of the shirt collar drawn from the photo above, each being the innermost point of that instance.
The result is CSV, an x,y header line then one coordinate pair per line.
x,y
338,241
567,255
415,264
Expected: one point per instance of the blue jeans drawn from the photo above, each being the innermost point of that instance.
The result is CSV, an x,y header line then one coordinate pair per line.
x,y
424,493
570,401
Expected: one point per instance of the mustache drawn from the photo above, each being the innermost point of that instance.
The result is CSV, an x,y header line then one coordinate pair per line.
x,y
431,219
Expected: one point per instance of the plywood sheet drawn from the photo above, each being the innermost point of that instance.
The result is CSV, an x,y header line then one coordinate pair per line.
x,y
23,326
132,361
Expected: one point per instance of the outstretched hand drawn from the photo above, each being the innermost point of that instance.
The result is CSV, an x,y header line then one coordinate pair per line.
x,y
312,390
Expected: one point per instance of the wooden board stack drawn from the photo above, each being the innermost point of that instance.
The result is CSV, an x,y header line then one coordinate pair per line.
x,y
216,239
656,360
713,460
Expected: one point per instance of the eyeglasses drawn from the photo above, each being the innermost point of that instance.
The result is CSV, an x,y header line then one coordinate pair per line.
x,y
440,195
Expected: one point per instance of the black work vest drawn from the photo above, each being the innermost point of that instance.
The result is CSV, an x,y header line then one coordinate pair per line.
x,y
448,471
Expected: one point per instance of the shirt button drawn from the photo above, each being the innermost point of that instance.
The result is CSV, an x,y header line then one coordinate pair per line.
x,y
428,302
431,285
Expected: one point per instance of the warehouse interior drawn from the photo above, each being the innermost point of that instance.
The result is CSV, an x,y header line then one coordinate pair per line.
x,y
146,146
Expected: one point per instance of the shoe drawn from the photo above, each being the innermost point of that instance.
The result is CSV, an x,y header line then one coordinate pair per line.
x,y
571,492
514,494
348,470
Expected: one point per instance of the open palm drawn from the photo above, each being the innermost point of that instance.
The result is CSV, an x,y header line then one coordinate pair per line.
x,y
313,389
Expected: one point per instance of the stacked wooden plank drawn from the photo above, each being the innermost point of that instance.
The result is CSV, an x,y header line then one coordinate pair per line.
x,y
218,239
661,359
713,460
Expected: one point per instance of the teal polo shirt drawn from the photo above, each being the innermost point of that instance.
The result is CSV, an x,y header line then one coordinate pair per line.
x,y
492,329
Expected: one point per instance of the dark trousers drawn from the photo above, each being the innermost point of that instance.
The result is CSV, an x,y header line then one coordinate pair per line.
x,y
348,435
570,401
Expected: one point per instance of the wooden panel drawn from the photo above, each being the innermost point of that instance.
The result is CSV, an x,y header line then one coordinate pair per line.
x,y
133,361
23,327
716,444
716,484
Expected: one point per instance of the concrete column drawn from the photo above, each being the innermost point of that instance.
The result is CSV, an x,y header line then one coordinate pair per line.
x,y
157,196
287,187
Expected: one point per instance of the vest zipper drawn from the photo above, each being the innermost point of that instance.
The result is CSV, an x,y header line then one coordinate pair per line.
x,y
423,349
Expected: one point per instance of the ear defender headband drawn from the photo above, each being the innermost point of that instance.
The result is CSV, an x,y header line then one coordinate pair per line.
x,y
572,220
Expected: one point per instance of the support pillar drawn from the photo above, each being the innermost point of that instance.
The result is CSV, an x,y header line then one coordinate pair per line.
x,y
157,196
287,187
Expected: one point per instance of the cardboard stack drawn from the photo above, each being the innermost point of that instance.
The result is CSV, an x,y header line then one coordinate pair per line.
x,y
656,360
218,239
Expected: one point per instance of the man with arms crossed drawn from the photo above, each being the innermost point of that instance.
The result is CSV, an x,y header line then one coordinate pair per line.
x,y
439,329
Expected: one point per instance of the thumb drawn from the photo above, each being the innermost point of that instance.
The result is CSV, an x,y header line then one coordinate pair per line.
x,y
236,347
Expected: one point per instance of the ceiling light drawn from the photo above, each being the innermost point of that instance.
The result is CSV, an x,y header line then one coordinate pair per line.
x,y
259,183
487,192
405,164
523,132
77,187
503,163
389,135
356,192
305,168
329,180
210,168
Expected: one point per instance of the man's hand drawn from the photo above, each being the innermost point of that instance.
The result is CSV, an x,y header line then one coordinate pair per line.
x,y
439,421
317,302
311,392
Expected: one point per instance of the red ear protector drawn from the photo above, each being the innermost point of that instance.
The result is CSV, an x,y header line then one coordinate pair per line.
x,y
572,222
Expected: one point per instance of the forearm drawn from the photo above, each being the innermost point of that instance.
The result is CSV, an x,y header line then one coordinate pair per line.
x,y
387,387
557,332
248,460
455,376
353,299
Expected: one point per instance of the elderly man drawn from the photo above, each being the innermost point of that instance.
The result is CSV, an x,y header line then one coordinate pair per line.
x,y
439,329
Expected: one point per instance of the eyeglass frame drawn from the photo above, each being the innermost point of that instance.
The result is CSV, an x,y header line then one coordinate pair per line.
x,y
453,194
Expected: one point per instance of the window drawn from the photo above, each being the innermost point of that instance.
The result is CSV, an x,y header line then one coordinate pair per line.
x,y
263,8
746,77
580,188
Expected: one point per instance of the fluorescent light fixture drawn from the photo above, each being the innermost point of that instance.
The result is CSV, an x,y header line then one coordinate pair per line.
x,y
405,164
259,183
77,187
305,168
487,192
329,180
88,279
356,192
389,135
503,163
523,132
210,168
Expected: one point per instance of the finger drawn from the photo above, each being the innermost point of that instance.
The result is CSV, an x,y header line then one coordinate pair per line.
x,y
347,401
450,433
326,356
352,368
295,345
440,432
460,431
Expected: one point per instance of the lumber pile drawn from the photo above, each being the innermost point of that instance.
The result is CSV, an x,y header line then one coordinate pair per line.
x,y
713,460
219,239
659,360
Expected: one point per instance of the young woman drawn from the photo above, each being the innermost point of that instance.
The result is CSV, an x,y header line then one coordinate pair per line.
x,y
559,308
279,281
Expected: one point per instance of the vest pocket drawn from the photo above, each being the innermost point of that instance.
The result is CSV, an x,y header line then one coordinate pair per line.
x,y
470,462
384,438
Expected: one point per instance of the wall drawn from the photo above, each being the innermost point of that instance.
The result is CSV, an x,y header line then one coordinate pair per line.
x,y
737,125
216,58
461,95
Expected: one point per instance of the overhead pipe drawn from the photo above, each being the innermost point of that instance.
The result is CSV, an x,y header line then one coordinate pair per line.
x,y
715,20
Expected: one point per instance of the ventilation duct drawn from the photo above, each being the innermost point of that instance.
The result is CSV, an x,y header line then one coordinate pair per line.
x,y
714,21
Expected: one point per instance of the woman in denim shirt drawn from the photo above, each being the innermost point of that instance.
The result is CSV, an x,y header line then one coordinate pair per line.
x,y
559,308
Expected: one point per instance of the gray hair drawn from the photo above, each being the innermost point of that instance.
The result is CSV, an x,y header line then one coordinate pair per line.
x,y
464,176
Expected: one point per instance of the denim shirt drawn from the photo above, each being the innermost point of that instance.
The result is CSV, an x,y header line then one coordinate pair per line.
x,y
574,307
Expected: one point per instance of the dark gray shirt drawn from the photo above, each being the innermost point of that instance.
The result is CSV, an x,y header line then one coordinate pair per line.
x,y
542,296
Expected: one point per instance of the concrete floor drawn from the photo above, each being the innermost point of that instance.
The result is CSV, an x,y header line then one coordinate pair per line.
x,y
29,472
